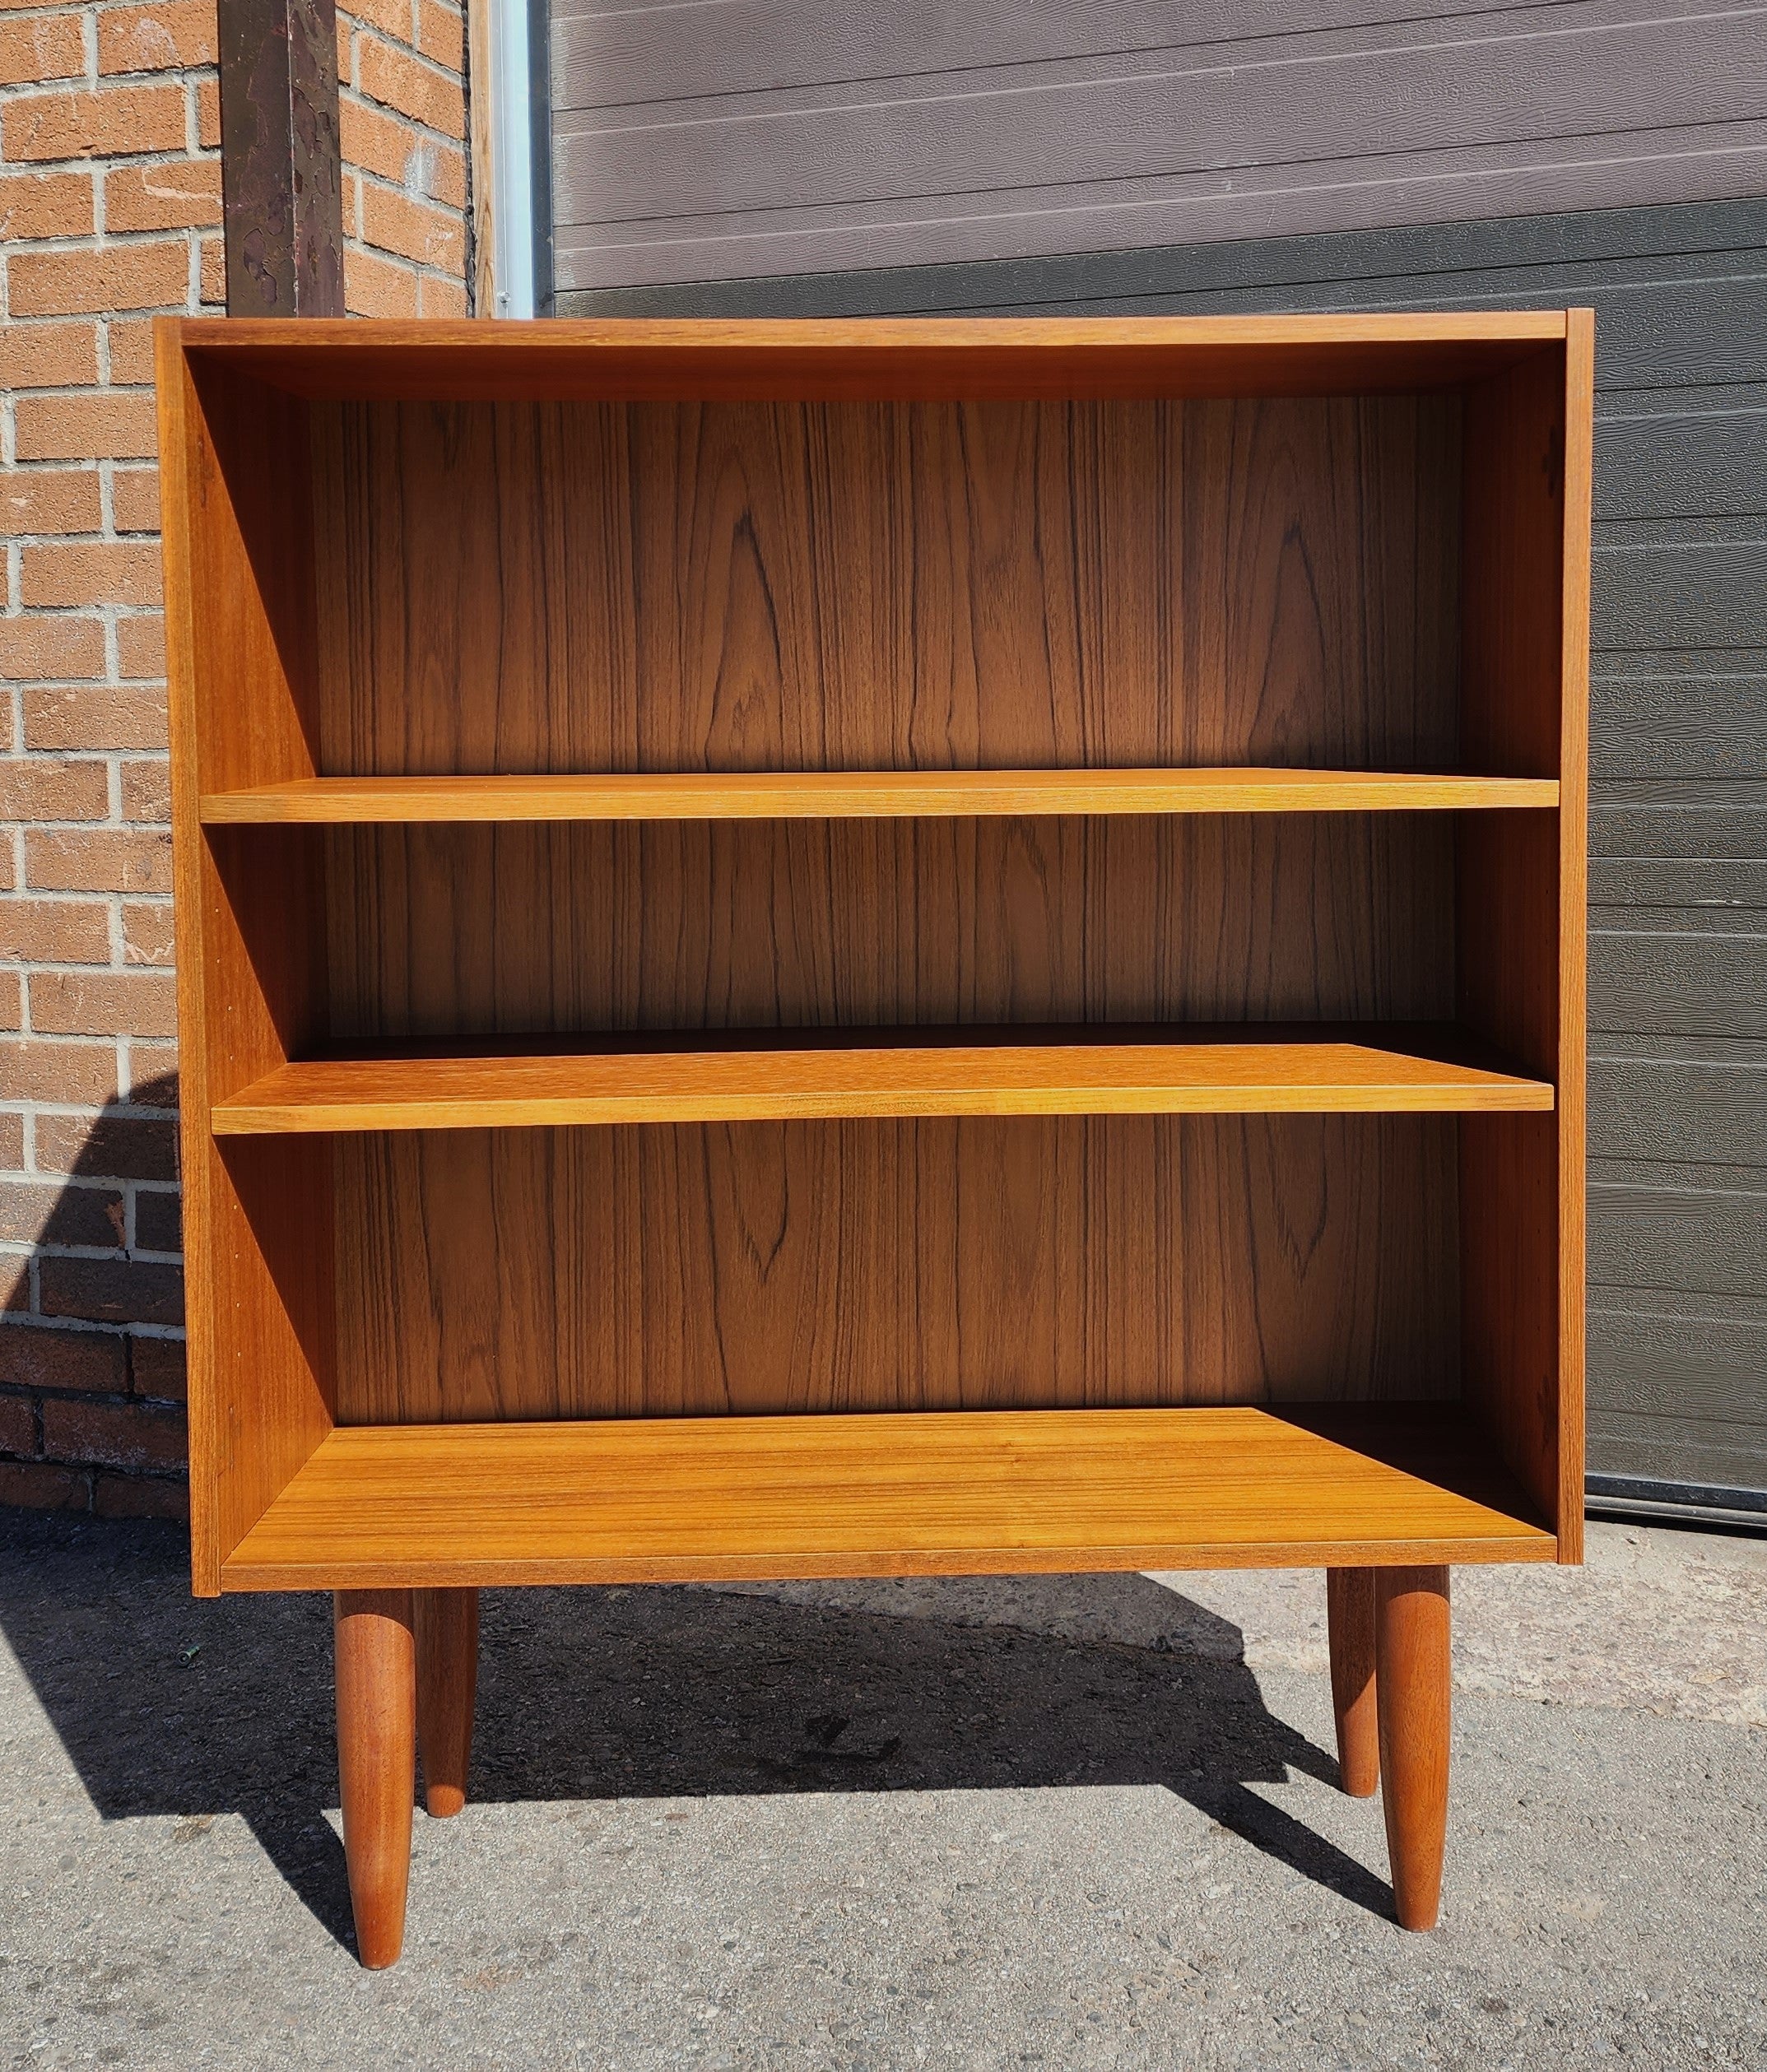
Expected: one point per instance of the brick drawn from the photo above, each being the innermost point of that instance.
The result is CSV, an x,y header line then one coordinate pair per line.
x,y
140,648
11,1001
116,1435
71,1075
15,1283
11,1141
130,343
54,932
64,717
94,1362
97,860
208,114
46,205
171,195
135,499
147,790
111,123
153,1074
50,47
441,297
34,787
157,1369
50,499
375,287
110,1291
101,427
37,1212
212,254
147,934
82,1003
48,354
141,1496
91,572
159,1224
18,1425
396,80
125,276
393,18
33,646
382,144
418,230
34,1486
161,38
121,1147
441,34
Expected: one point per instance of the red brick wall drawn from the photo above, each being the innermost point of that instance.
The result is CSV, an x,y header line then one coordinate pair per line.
x,y
110,212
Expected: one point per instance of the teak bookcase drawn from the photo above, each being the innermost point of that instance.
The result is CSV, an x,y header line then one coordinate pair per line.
x,y
878,949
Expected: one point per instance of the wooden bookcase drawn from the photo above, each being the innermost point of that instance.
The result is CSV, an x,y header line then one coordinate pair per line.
x,y
878,949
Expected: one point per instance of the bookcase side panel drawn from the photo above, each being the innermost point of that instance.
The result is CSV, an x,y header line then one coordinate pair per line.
x,y
241,665
1515,932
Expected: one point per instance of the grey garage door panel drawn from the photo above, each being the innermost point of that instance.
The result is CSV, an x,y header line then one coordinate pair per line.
x,y
1671,1110
1728,883
1694,1455
1697,594
1593,103
1703,983
1712,821
1703,1369
1707,718
1546,259
1672,466
1704,1241
636,54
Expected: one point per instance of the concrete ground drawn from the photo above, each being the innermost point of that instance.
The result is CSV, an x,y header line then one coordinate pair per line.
x,y
1088,1821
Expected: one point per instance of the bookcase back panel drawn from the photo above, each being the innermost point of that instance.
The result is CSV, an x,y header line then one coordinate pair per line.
x,y
853,1266
450,931
565,587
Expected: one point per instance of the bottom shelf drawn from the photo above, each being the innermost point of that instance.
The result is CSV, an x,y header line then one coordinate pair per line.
x,y
987,1492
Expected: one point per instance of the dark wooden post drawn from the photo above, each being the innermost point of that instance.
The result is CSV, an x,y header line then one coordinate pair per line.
x,y
280,184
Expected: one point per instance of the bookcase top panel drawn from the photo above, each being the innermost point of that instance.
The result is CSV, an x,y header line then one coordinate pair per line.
x,y
660,359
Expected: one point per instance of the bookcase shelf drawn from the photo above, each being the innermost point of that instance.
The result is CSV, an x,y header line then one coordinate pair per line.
x,y
798,1074
864,794
988,1493
1069,839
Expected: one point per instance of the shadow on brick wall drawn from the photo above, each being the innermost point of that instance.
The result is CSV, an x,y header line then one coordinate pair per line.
x,y
185,1710
91,1346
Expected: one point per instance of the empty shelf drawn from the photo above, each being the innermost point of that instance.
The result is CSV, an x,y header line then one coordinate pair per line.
x,y
902,1072
987,1492
866,794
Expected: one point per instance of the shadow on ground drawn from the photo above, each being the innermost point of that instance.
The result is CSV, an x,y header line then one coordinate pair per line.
x,y
168,1706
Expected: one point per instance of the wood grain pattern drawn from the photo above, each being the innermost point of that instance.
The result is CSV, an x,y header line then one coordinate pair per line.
x,y
810,1266
376,1762
726,1498
865,794
470,932
251,960
1013,1071
445,1626
647,359
1414,1692
1349,1624
875,586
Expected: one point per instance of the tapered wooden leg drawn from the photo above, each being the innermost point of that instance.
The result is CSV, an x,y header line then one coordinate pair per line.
x,y
1411,1684
1350,1621
376,1761
447,1628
